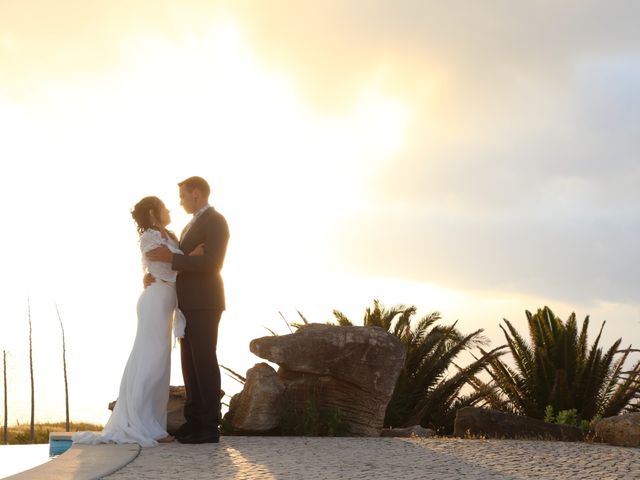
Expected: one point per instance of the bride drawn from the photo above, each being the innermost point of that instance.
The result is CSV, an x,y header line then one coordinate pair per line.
x,y
140,413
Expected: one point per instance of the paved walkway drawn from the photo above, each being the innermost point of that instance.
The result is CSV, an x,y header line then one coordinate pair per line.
x,y
382,458
83,462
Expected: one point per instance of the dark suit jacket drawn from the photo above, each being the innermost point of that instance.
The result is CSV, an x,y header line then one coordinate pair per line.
x,y
199,283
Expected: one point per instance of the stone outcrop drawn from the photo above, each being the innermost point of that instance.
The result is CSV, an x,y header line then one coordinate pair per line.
x,y
175,407
350,370
258,408
622,430
484,422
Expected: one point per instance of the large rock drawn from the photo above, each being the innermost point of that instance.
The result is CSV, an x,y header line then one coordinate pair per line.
x,y
258,407
352,370
623,430
175,408
484,422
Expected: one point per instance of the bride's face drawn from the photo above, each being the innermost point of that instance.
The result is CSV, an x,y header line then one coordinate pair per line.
x,y
165,217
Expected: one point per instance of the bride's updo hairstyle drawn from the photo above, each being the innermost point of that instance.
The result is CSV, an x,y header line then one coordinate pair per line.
x,y
141,213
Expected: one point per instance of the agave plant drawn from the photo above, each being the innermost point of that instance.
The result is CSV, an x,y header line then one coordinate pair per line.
x,y
559,368
428,391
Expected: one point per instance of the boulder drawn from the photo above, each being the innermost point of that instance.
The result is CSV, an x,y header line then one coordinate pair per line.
x,y
413,431
352,370
622,430
484,422
258,407
175,408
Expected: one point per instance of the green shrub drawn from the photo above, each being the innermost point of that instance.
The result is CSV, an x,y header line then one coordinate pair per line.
x,y
549,417
309,419
569,417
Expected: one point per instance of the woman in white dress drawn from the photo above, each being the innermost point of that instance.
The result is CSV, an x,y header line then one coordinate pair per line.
x,y
140,413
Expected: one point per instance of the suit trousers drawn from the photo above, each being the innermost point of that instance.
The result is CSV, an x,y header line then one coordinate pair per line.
x,y
200,369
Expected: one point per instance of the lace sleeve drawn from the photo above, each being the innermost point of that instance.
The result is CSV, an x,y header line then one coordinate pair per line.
x,y
149,240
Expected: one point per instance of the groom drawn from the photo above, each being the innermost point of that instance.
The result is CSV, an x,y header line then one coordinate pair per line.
x,y
201,298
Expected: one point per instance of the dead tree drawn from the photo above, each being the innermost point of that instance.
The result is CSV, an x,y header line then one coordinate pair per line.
x,y
33,434
6,422
64,367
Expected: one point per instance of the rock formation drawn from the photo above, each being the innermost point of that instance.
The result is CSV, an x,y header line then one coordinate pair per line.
x,y
258,408
175,414
622,430
351,370
484,422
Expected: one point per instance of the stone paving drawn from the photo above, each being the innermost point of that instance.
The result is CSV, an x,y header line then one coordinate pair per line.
x,y
382,458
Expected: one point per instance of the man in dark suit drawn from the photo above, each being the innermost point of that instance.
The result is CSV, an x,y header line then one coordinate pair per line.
x,y
200,293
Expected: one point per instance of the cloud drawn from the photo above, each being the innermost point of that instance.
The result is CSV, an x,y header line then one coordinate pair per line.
x,y
545,204
521,171
520,168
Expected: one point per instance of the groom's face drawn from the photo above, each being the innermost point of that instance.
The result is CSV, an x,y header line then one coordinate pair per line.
x,y
188,199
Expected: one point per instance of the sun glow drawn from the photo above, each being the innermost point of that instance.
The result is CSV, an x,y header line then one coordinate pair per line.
x,y
276,164
203,104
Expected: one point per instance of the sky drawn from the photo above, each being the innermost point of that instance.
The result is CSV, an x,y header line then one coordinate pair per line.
x,y
475,158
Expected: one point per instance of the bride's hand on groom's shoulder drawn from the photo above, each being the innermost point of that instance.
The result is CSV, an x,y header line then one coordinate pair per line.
x,y
148,279
198,251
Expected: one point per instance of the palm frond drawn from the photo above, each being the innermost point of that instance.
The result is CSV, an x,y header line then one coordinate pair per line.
x,y
342,319
235,375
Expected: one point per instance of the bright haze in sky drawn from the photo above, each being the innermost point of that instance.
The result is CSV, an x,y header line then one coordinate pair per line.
x,y
475,158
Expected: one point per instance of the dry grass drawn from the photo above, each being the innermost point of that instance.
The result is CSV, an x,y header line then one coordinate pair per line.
x,y
20,434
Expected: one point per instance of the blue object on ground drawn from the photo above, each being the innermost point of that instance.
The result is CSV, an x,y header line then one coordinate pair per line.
x,y
57,446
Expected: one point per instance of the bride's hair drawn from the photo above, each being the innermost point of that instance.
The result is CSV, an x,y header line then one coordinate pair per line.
x,y
141,213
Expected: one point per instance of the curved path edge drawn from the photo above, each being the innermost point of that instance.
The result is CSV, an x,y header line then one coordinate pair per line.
x,y
83,462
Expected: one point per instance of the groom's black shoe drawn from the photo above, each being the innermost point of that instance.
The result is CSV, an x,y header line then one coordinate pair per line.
x,y
200,437
185,429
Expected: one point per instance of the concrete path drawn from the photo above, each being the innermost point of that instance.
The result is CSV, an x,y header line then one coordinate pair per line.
x,y
382,458
83,462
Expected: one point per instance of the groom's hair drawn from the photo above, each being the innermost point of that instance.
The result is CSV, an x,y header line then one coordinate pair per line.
x,y
192,183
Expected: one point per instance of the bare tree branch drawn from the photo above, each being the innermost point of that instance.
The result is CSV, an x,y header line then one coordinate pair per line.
x,y
6,422
64,367
32,431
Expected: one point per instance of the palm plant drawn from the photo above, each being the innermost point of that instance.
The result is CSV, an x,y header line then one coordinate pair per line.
x,y
560,369
426,393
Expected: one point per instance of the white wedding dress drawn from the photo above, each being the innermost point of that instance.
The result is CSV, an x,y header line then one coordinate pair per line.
x,y
140,413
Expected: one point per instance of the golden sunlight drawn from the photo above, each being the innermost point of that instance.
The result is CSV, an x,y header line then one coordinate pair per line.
x,y
282,173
